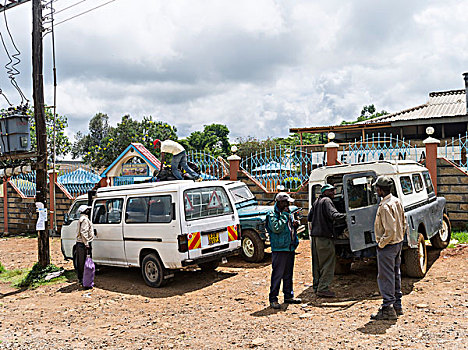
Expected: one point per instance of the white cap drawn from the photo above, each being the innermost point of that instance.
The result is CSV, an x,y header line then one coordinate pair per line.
x,y
82,208
283,196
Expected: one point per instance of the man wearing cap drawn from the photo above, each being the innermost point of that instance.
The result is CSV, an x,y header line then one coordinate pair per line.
x,y
281,227
322,217
390,228
84,237
179,157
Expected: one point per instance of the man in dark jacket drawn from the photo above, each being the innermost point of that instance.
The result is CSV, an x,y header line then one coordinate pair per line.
x,y
322,217
281,227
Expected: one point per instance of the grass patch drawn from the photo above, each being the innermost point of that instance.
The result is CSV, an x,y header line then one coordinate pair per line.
x,y
2,268
461,237
13,276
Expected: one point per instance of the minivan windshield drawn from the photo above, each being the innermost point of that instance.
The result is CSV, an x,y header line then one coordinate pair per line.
x,y
241,194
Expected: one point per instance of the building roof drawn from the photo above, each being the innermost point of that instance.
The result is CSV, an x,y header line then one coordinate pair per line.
x,y
440,104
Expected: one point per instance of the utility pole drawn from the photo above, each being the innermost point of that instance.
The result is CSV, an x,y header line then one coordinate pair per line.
x,y
41,134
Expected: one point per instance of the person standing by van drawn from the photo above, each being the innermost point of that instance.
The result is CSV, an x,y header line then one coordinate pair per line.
x,y
281,227
322,217
84,237
179,157
390,228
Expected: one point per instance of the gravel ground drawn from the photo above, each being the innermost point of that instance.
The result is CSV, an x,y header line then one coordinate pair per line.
x,y
228,308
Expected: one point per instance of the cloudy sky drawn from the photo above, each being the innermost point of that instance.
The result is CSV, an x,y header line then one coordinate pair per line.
x,y
258,66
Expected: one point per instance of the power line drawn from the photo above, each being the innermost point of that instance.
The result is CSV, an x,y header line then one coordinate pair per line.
x,y
82,13
68,7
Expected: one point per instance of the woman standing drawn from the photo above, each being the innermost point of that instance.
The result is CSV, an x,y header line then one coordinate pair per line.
x,y
84,237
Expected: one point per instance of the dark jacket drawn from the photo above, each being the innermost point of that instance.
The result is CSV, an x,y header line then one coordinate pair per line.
x,y
322,215
283,235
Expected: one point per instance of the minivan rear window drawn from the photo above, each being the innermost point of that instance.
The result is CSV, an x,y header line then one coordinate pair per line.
x,y
406,185
206,202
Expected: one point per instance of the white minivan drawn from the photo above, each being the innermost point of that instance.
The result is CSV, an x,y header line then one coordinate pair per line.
x,y
158,227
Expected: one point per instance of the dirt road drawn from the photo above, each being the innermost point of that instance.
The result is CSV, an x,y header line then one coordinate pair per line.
x,y
228,308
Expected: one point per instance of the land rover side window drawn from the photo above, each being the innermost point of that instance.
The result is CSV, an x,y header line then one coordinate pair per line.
x,y
74,215
418,184
406,185
160,209
206,202
137,210
361,193
428,181
107,211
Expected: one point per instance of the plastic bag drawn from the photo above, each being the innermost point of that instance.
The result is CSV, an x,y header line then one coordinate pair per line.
x,y
88,273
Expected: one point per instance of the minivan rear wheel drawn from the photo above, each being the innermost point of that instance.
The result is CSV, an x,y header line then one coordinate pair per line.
x,y
153,271
253,247
416,259
442,238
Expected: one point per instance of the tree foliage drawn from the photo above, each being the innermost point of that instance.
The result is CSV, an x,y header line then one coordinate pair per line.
x,y
104,143
367,113
213,139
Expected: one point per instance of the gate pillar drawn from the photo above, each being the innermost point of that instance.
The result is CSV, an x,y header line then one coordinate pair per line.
x,y
234,165
332,153
431,159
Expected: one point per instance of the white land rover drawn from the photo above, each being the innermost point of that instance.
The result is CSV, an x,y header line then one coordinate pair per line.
x,y
355,195
159,227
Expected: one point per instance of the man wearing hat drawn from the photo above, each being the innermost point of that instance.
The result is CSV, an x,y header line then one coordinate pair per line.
x,y
281,227
84,237
179,157
390,228
322,217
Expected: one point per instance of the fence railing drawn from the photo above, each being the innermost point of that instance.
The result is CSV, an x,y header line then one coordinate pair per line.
x,y
456,150
379,147
282,167
211,168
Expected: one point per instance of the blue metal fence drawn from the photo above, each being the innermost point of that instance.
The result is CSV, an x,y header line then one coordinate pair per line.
x,y
456,151
211,168
378,147
282,167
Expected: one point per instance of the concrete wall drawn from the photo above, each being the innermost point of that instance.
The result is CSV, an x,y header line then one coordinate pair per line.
x,y
452,184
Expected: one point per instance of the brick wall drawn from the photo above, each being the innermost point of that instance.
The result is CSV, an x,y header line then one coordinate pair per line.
x,y
452,184
22,214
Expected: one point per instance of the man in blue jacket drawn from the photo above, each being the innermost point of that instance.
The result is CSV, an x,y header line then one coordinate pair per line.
x,y
281,227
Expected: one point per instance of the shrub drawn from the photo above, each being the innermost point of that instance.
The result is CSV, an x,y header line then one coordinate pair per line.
x,y
36,276
2,268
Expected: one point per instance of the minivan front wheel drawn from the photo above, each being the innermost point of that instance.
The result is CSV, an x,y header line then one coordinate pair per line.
x,y
153,271
416,259
442,238
253,247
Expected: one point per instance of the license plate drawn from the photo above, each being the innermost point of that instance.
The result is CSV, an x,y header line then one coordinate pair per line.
x,y
213,238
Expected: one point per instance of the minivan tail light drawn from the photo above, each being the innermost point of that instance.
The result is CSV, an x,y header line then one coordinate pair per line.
x,y
183,243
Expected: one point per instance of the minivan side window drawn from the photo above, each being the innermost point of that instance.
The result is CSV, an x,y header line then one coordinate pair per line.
x,y
428,181
206,202
406,185
107,211
155,209
418,184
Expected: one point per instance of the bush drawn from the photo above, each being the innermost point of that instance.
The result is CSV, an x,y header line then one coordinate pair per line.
x,y
292,183
461,237
2,268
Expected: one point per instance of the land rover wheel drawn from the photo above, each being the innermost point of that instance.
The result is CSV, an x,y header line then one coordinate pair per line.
x,y
153,271
442,239
416,259
253,248
209,266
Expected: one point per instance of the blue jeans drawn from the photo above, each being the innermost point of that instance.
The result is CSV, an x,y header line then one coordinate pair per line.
x,y
181,159
389,276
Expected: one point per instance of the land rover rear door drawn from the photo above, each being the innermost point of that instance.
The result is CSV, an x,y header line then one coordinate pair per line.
x,y
361,204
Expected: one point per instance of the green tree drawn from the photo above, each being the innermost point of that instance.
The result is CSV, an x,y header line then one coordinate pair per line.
x,y
213,139
367,112
105,143
62,143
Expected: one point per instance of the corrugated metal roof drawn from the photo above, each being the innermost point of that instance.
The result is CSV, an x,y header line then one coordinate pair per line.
x,y
440,104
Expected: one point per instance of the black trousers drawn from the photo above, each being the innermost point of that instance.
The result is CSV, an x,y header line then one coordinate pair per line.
x,y
80,257
282,264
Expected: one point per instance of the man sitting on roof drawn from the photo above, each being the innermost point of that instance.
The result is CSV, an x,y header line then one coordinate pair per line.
x,y
179,157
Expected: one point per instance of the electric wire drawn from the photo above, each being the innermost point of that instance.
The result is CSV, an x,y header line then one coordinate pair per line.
x,y
68,7
87,11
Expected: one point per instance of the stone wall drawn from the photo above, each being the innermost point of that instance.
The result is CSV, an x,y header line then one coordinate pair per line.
x,y
452,184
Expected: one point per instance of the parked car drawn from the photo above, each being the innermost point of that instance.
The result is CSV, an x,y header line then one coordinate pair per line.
x,y
159,227
355,194
252,218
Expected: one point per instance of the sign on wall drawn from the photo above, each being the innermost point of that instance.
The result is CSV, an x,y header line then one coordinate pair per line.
x,y
135,169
